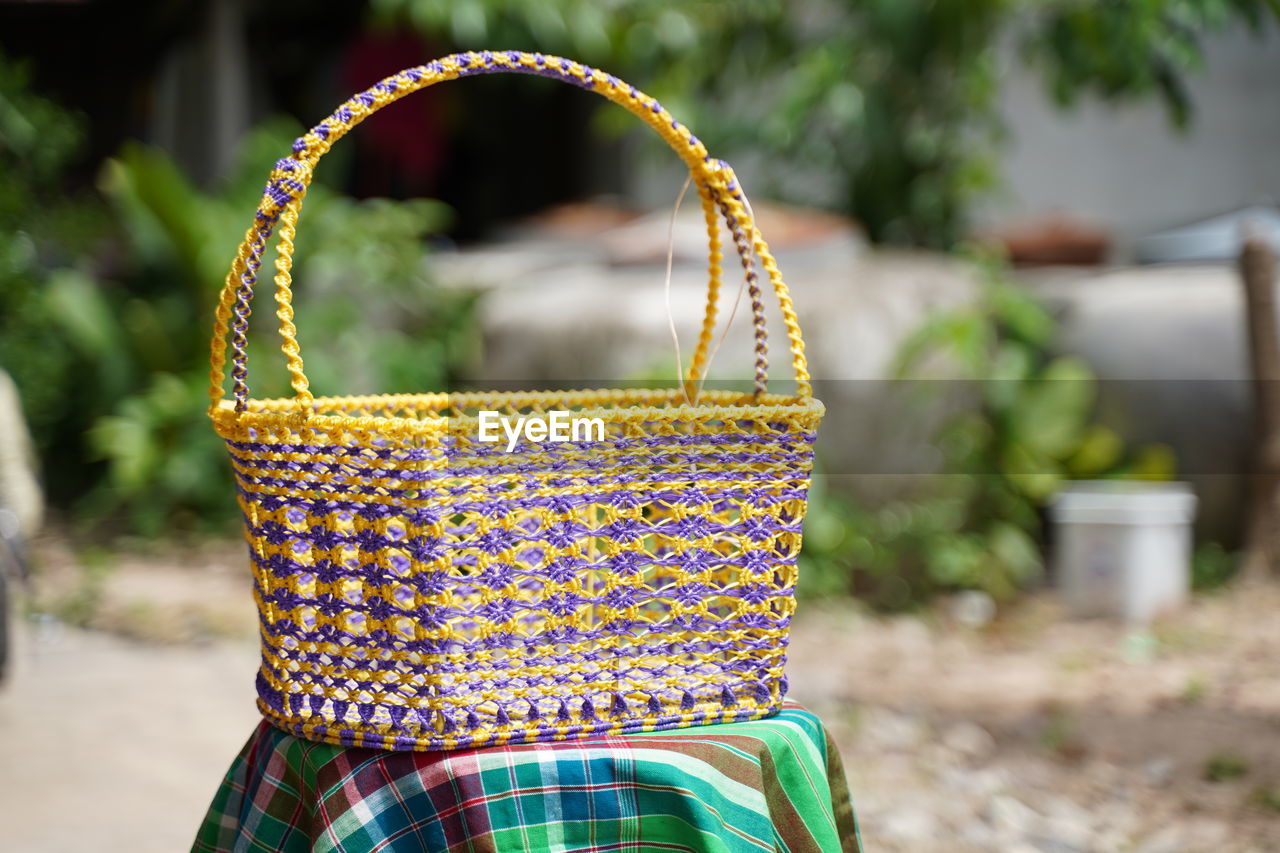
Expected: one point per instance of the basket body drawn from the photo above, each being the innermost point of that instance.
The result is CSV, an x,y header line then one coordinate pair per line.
x,y
421,589
424,584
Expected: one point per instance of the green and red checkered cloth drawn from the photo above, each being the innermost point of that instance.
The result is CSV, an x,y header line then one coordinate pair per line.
x,y
774,784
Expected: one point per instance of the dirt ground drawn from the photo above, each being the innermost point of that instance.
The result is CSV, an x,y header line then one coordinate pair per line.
x,y
1033,734
1044,734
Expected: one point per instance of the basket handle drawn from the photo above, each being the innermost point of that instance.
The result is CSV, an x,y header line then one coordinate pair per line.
x,y
287,186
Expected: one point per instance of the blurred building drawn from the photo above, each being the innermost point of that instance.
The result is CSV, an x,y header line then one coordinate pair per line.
x,y
1124,169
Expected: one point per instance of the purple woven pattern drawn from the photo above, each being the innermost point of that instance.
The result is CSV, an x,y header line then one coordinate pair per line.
x,y
420,589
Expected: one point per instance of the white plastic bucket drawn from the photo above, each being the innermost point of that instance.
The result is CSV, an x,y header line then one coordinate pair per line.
x,y
1123,548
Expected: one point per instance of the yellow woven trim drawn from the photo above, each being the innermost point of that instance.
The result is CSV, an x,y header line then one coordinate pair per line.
x,y
325,413
381,737
614,398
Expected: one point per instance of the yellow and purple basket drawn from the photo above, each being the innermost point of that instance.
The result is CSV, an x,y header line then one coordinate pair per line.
x,y
419,588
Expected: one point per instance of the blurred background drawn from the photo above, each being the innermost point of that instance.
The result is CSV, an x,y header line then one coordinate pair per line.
x,y
1032,247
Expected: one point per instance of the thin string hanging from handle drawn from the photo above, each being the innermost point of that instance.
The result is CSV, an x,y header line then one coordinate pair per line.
x,y
671,319
666,290
733,311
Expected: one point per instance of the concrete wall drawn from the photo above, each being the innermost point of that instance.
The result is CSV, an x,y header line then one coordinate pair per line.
x,y
1125,168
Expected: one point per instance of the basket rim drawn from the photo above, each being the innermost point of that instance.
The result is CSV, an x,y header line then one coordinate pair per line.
x,y
620,404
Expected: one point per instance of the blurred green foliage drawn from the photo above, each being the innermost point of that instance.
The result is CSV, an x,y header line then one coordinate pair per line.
x,y
106,333
1022,426
1213,566
1133,49
895,101
42,227
1224,767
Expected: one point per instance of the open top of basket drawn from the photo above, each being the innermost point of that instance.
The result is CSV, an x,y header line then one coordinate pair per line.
x,y
459,411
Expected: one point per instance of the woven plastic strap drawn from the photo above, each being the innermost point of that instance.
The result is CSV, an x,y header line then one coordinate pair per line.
x,y
287,186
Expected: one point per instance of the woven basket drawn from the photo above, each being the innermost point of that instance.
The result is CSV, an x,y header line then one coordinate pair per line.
x,y
419,588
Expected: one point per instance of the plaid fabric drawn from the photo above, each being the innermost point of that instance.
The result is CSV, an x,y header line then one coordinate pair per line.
x,y
774,784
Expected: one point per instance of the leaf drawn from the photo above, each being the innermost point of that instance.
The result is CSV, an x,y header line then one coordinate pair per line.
x,y
958,339
1050,415
77,302
150,337
1010,368
957,560
125,441
1154,462
469,22
1020,315
165,214
1016,552
1099,451
1033,475
824,531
